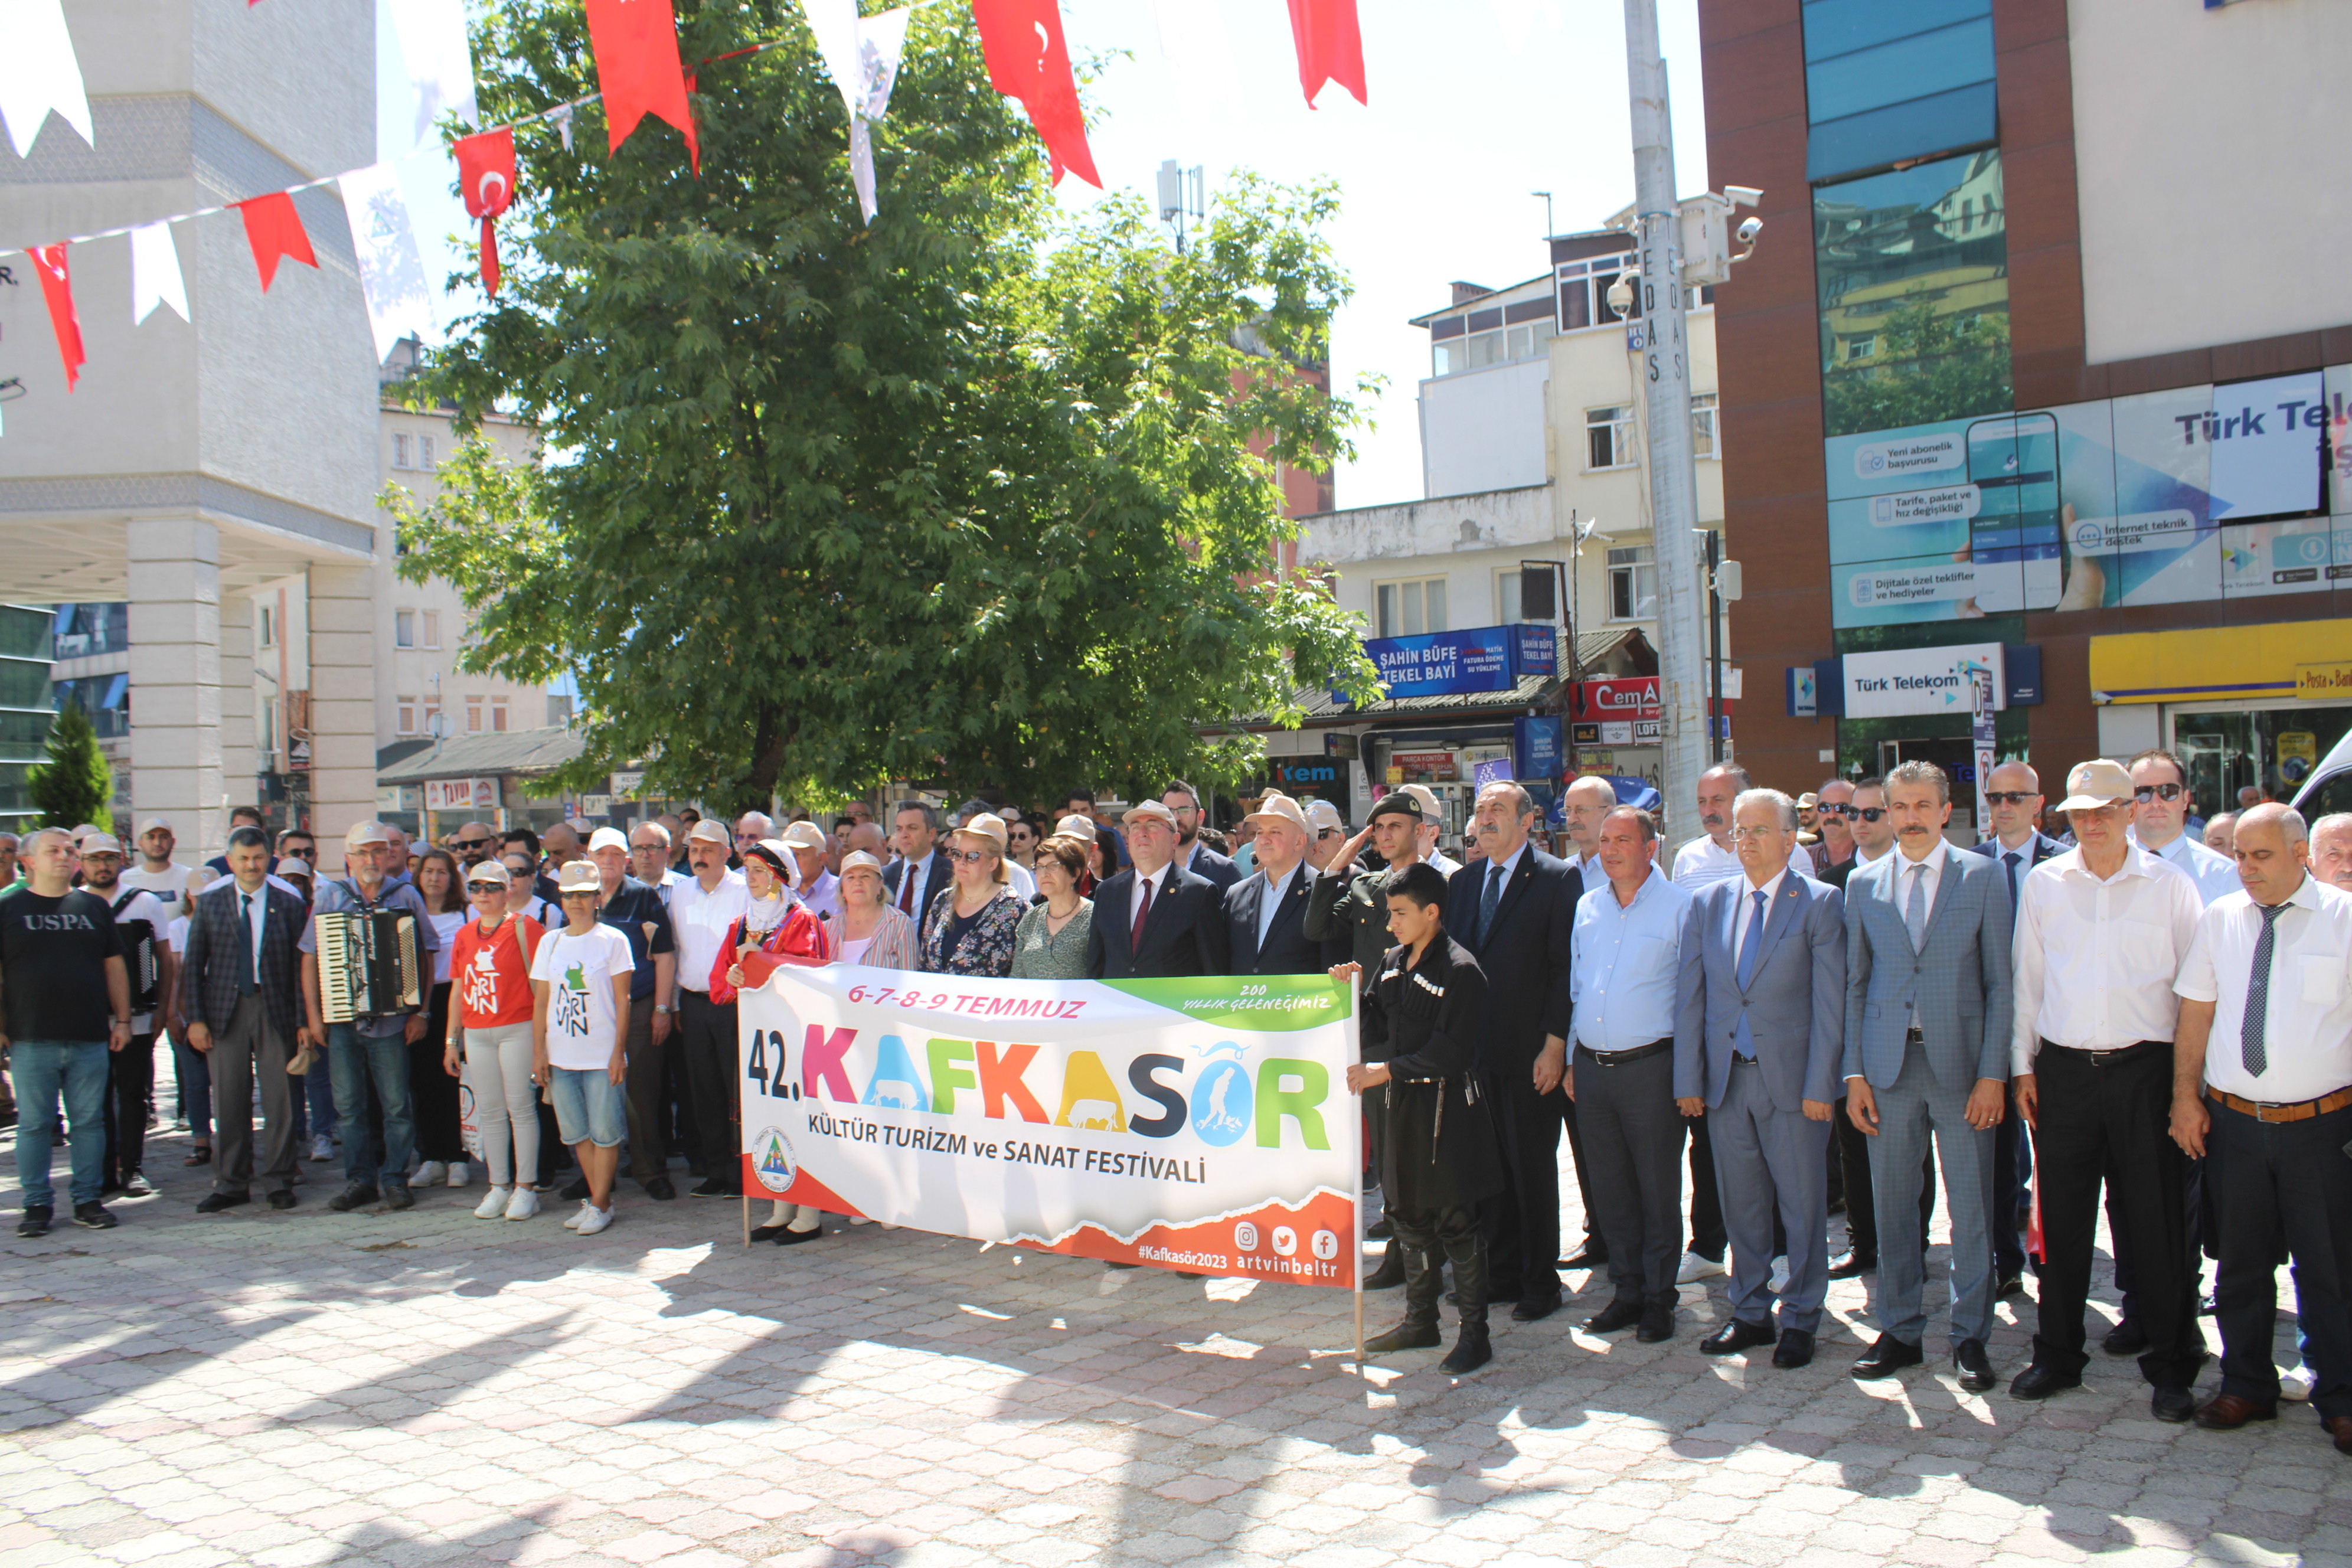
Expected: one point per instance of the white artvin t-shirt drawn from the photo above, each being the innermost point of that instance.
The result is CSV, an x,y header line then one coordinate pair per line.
x,y
581,1027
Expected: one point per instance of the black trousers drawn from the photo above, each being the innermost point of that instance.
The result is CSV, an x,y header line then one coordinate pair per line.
x,y
431,1093
707,1041
1594,1247
1633,1142
1708,1236
1852,1147
129,1100
2195,1205
2112,1124
2272,1183
648,1134
1521,1222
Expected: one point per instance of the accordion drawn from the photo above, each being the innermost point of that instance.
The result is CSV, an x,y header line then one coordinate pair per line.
x,y
369,965
139,955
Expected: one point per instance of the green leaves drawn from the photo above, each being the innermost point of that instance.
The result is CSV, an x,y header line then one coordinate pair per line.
x,y
975,495
75,784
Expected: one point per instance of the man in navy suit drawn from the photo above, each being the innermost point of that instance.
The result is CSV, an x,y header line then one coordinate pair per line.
x,y
915,879
1184,801
1266,913
2018,843
1764,1070
1516,912
1155,918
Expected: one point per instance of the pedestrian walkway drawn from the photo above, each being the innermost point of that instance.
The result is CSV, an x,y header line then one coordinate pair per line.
x,y
428,1388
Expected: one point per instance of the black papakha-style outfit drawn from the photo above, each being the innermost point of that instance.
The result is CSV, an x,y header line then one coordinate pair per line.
x,y
1440,1156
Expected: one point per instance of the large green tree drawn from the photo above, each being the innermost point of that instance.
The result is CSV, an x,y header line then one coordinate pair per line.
x,y
73,784
976,494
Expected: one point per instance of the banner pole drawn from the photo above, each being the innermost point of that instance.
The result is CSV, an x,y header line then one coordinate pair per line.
x,y
1356,1185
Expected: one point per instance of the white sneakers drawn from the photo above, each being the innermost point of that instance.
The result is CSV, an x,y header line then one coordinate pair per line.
x,y
322,1148
1696,1268
461,1174
573,1223
431,1174
1780,1281
2297,1383
592,1218
494,1205
523,1205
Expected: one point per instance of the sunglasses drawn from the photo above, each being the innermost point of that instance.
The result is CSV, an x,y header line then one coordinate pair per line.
x,y
485,887
2146,793
1330,833
2009,796
968,856
471,843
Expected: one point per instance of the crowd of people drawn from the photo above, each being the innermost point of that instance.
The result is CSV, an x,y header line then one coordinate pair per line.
x,y
1822,1007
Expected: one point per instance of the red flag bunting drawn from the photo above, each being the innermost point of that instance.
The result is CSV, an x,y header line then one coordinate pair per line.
x,y
57,288
1330,48
1028,59
638,69
486,168
273,228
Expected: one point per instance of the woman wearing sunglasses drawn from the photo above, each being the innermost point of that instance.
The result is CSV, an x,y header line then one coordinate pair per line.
x,y
489,1028
972,930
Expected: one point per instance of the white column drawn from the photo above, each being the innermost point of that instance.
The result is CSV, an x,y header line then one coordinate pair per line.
x,y
237,735
175,679
342,704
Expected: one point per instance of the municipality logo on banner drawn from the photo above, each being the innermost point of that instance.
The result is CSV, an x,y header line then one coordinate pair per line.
x,y
1195,1124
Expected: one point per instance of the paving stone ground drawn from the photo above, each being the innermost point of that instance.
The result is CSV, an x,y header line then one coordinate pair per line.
x,y
427,1388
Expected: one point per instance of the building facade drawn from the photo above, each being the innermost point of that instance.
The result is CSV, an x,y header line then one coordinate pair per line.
x,y
2010,398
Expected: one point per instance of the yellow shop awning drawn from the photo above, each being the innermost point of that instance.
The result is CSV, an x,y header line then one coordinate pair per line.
x,y
2283,658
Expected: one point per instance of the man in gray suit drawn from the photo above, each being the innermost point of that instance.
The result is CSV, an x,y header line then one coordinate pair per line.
x,y
1764,1071
1927,1022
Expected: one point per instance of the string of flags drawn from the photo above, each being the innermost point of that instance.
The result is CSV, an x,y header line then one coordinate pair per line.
x,y
639,72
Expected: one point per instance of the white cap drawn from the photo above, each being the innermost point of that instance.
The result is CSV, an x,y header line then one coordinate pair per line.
x,y
579,876
360,833
153,824
96,843
607,839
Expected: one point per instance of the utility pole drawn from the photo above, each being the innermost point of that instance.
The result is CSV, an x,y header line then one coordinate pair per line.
x,y
1665,369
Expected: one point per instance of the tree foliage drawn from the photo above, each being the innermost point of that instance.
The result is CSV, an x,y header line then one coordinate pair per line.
x,y
75,784
1929,366
974,495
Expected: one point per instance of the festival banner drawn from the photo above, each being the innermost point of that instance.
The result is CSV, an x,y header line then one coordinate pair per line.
x,y
1202,1125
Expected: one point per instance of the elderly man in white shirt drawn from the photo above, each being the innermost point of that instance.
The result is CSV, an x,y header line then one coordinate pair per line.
x,y
702,908
2101,932
1712,859
2262,1082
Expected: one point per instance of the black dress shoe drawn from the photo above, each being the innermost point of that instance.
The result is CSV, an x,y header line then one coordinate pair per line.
x,y
216,1203
1969,1359
661,1188
1795,1349
575,1190
1735,1336
1380,1230
351,1197
790,1237
1536,1311
714,1188
766,1232
1391,1273
1852,1265
1592,1255
397,1195
1887,1357
93,1216
2170,1402
2008,1284
2039,1382
281,1199
1619,1314
2126,1338
1657,1323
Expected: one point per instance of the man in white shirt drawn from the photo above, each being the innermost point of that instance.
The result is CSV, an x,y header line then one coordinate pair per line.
x,y
649,858
2262,1079
2102,930
1712,859
2162,806
702,908
156,872
130,1071
1584,805
1432,817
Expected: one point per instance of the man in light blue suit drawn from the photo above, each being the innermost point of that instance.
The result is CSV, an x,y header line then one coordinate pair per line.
x,y
1764,1072
1928,1021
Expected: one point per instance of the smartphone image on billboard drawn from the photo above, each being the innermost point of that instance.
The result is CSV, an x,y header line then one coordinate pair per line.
x,y
2016,539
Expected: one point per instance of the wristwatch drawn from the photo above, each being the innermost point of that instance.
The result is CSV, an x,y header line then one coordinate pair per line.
x,y
661,1006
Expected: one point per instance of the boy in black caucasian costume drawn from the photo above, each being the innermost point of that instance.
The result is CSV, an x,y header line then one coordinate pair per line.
x,y
1440,1158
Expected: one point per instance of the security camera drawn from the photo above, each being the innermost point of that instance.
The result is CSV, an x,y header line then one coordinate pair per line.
x,y
1621,293
1743,196
1749,231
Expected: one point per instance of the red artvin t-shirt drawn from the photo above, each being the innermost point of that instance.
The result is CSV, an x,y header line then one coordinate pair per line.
x,y
493,972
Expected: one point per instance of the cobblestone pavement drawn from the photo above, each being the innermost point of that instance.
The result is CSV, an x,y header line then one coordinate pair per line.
x,y
428,1388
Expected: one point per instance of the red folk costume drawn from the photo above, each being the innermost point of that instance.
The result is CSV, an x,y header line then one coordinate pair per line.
x,y
800,938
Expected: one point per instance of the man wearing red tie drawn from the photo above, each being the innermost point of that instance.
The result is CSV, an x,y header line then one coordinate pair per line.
x,y
915,879
1155,918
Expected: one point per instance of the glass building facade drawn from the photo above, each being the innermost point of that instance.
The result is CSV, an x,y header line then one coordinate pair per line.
x,y
26,642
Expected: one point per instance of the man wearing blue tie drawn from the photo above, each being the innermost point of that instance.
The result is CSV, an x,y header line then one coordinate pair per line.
x,y
1764,1070
1927,1025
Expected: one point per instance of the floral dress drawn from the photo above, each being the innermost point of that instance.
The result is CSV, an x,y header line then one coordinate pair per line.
x,y
981,945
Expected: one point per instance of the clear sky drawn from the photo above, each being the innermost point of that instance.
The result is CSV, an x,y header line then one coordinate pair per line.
x,y
1475,103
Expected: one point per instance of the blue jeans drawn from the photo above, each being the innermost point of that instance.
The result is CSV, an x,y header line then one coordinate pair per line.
x,y
356,1061
45,1069
314,1102
590,1108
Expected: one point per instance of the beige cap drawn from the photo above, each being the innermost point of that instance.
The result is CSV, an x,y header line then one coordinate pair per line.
x,y
1078,825
488,871
1322,814
1428,799
989,826
1279,807
152,824
608,839
1151,808
860,860
579,876
360,833
96,843
1809,798
2094,783
805,836
295,865
709,830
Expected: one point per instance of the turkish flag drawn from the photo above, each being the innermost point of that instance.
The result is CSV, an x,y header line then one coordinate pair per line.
x,y
637,69
486,168
273,228
1028,59
57,288
1330,48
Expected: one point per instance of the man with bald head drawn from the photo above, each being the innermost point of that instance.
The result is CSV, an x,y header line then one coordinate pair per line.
x,y
2217,833
1582,806
472,845
2331,849
563,845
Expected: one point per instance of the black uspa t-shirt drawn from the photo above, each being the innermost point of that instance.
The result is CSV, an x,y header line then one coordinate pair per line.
x,y
53,955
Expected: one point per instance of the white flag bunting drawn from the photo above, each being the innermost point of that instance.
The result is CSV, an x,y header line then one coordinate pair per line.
x,y
155,273
38,72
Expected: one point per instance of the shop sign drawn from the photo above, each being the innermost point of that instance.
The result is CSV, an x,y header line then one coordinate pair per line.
x,y
1535,650
1422,767
1308,777
1902,681
2328,682
1535,746
1628,697
1585,734
1496,770
1445,664
628,782
461,794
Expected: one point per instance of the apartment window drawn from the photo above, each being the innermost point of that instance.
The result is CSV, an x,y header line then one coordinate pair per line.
x,y
432,628
1408,609
1861,347
268,739
1512,333
424,451
1507,605
473,715
408,721
404,629
1609,436
1583,288
431,715
269,628
1633,583
1703,431
499,714
400,452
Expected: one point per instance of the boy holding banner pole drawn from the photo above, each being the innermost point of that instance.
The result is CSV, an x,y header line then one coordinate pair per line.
x,y
1438,1158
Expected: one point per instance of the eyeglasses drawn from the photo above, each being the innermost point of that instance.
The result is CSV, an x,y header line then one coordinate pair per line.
x,y
2146,793
1330,833
2009,796
968,856
1756,832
